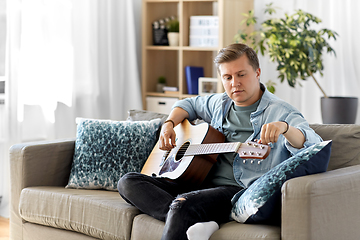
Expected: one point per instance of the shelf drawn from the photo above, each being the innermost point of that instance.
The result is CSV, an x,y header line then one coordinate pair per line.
x,y
157,94
199,0
162,1
184,48
188,95
169,61
177,95
166,48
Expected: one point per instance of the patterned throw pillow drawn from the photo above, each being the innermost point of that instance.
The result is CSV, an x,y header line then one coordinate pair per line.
x,y
261,202
105,150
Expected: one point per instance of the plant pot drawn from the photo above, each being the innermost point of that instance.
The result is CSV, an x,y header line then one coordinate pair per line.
x,y
173,38
339,110
159,87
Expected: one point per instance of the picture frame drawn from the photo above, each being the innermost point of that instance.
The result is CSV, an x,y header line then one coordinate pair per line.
x,y
207,85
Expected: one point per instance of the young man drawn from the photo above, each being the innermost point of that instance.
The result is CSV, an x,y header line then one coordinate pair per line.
x,y
246,111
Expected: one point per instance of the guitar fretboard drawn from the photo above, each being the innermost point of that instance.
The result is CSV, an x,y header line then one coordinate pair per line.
x,y
203,149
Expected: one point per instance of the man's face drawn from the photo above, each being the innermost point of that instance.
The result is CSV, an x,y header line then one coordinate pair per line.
x,y
240,81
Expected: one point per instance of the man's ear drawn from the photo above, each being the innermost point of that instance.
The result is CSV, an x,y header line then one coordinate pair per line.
x,y
258,73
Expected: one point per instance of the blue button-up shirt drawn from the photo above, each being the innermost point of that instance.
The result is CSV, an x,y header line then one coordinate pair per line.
x,y
214,108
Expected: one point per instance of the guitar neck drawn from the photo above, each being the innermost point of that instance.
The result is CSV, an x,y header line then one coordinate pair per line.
x,y
212,148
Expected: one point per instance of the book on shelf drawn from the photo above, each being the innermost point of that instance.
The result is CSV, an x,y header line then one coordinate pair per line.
x,y
170,89
192,74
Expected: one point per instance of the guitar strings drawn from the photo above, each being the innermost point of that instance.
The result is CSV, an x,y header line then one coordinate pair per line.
x,y
198,149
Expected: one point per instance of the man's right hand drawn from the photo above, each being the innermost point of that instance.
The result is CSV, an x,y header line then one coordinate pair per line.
x,y
167,137
167,134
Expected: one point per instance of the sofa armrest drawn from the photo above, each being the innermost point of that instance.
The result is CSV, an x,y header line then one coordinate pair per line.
x,y
322,206
37,164
41,163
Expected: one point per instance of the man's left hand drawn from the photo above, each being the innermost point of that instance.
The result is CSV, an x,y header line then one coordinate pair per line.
x,y
270,132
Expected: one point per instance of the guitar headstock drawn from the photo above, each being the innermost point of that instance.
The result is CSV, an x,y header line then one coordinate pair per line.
x,y
253,150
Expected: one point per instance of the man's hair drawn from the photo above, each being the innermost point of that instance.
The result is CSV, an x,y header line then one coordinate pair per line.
x,y
235,51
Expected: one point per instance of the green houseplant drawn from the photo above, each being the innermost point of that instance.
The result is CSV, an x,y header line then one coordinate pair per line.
x,y
173,25
173,31
292,43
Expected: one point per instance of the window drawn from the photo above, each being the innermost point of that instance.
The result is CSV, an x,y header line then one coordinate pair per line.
x,y
2,36
2,46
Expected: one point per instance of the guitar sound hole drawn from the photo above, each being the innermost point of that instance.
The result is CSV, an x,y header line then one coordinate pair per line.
x,y
180,154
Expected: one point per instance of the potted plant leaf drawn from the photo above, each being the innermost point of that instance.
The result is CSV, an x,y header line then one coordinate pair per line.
x,y
297,48
173,31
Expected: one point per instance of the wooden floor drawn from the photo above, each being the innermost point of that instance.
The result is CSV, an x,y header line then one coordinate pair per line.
x,y
4,228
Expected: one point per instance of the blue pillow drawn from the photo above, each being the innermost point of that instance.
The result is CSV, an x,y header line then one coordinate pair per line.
x,y
105,150
261,202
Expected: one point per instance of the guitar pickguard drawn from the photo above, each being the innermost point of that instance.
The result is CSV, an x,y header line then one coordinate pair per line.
x,y
169,165
173,160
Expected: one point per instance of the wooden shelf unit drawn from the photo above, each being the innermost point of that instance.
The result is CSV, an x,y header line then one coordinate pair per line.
x,y
170,61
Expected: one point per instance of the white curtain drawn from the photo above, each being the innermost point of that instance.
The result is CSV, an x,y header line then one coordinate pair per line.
x,y
68,59
341,73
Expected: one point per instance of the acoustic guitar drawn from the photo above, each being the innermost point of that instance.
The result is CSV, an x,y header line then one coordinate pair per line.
x,y
197,147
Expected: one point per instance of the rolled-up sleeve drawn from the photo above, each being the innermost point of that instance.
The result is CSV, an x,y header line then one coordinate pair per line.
x,y
296,120
200,107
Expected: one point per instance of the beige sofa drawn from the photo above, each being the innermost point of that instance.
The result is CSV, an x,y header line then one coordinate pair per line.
x,y
322,206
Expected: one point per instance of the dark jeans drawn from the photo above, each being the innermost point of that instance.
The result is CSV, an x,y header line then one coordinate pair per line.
x,y
176,204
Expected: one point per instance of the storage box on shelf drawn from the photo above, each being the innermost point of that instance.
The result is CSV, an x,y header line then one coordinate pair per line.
x,y
204,31
160,104
169,61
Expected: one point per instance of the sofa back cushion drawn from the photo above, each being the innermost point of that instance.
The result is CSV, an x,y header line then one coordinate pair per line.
x,y
144,115
345,146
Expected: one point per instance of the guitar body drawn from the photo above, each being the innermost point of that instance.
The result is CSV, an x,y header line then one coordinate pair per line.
x,y
174,165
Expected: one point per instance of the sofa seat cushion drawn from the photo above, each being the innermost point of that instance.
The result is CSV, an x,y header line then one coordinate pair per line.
x,y
97,213
146,227
238,231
